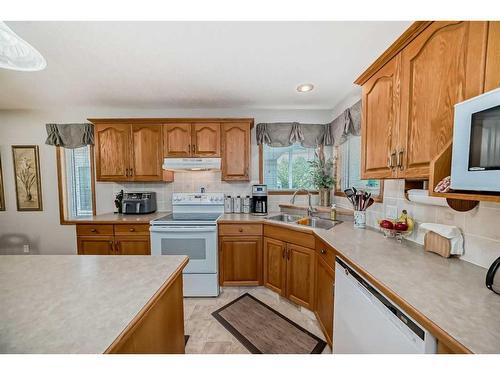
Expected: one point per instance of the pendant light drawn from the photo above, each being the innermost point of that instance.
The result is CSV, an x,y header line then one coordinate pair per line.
x,y
17,54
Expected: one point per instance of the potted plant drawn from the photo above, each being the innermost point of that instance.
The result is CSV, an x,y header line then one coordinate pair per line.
x,y
322,174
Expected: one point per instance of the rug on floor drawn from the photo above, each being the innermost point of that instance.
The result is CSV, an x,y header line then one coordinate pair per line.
x,y
263,330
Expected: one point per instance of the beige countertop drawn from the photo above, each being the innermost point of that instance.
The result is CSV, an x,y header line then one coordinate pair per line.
x,y
75,304
112,218
451,293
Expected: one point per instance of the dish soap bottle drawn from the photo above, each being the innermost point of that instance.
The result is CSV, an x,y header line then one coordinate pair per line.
x,y
333,212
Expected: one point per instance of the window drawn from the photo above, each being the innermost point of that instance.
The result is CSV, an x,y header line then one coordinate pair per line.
x,y
75,174
287,168
349,168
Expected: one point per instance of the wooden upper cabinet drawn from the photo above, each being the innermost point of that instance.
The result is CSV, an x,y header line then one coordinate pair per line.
x,y
235,151
275,265
381,101
492,74
442,66
177,140
300,280
112,152
205,140
146,153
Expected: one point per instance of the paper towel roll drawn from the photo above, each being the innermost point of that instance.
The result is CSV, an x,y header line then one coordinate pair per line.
x,y
422,196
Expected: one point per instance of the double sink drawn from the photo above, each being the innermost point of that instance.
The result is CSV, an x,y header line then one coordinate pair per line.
x,y
308,221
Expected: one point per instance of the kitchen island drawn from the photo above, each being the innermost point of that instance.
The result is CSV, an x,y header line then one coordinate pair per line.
x,y
91,304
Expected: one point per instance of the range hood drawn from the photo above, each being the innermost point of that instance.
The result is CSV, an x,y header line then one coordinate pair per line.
x,y
191,164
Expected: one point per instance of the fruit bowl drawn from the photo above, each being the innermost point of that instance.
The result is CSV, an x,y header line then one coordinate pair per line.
x,y
399,229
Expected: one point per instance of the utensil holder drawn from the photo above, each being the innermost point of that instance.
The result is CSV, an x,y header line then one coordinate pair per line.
x,y
360,219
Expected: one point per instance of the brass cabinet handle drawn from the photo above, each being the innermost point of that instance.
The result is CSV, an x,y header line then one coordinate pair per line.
x,y
117,247
189,147
132,229
131,172
323,251
393,155
193,148
288,253
93,230
400,158
240,230
284,252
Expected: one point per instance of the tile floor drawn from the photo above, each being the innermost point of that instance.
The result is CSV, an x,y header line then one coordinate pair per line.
x,y
208,336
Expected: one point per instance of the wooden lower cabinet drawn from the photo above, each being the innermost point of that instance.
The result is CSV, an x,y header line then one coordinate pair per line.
x,y
300,275
289,271
95,245
325,277
240,260
157,330
120,239
132,245
275,265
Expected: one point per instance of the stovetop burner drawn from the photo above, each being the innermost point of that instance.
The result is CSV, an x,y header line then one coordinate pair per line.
x,y
189,216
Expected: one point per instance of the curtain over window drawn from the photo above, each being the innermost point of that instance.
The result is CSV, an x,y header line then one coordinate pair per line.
x,y
282,134
70,135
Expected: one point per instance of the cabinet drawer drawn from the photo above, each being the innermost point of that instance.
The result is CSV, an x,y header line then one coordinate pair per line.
x,y
132,229
326,252
94,229
289,235
240,229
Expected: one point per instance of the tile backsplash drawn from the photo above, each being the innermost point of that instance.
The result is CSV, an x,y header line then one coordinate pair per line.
x,y
479,226
186,182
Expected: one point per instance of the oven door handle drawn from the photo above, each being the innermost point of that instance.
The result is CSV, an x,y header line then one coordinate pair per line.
x,y
179,229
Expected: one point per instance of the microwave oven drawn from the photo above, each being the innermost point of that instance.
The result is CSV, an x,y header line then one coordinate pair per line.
x,y
475,163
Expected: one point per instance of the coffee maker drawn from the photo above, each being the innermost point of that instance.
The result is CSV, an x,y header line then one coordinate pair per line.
x,y
259,200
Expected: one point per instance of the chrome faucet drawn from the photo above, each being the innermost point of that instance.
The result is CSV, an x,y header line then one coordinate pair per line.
x,y
310,210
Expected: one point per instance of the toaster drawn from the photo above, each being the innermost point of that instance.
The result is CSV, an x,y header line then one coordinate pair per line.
x,y
139,202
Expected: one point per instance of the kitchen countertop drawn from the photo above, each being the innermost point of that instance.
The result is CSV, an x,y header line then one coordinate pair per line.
x,y
75,304
112,218
451,293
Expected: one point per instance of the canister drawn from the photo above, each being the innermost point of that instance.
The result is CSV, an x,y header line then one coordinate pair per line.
x,y
228,204
237,205
246,204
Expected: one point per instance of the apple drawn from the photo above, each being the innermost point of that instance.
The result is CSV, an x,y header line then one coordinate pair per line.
x,y
386,224
401,226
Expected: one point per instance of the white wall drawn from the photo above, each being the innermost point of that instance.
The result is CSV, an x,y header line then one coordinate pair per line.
x,y
42,229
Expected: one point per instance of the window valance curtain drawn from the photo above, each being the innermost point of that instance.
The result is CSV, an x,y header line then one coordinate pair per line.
x,y
70,135
283,134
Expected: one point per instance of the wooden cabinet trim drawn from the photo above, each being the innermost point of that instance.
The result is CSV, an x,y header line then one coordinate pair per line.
x,y
411,33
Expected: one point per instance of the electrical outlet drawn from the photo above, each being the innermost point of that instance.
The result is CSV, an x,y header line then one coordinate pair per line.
x,y
26,248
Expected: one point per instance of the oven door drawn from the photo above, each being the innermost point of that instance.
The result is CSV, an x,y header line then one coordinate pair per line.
x,y
199,243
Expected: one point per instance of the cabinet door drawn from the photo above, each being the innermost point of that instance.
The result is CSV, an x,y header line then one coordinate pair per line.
x,y
132,245
177,140
381,108
325,277
95,245
442,66
112,152
206,140
146,153
492,74
275,265
300,280
240,261
235,151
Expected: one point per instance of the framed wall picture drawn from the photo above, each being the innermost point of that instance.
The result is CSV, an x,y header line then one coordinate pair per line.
x,y
2,196
27,177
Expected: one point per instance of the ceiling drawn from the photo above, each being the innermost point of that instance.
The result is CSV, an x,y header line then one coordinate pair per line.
x,y
157,65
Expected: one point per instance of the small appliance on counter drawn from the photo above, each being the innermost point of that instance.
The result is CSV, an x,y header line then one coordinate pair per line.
x,y
493,277
118,202
259,200
139,202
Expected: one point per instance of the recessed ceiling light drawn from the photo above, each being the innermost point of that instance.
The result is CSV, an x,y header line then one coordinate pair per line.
x,y
305,87
17,54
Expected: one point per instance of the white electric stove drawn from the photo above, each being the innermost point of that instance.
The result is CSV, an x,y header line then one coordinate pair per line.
x,y
191,229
